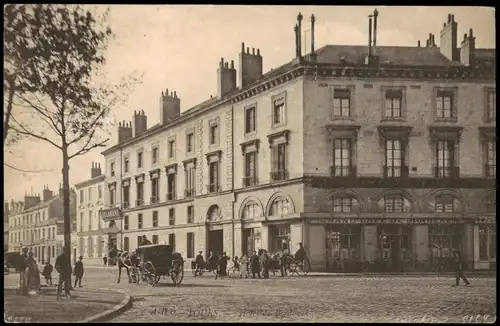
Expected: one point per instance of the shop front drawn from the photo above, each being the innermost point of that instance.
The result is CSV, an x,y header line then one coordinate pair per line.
x,y
389,244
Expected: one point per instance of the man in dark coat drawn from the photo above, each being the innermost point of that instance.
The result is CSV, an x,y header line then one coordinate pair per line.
x,y
283,262
459,268
63,267
300,255
145,241
264,261
47,272
78,272
200,263
222,265
255,264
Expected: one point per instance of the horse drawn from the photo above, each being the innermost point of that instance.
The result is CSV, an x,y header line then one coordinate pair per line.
x,y
126,260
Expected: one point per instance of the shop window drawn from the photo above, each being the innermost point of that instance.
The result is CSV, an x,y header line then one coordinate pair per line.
x,y
343,242
483,242
391,237
444,239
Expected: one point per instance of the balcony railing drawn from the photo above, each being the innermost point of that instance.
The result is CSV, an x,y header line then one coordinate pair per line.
x,y
126,204
490,170
154,200
213,188
278,175
171,196
396,171
250,181
139,202
188,193
342,171
447,171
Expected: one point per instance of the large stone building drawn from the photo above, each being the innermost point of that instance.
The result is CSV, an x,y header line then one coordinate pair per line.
x,y
380,154
37,225
92,246
6,212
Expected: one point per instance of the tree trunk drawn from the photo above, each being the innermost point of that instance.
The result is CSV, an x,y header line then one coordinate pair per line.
x,y
10,99
66,202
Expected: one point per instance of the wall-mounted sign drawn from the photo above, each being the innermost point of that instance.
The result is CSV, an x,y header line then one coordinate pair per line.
x,y
386,221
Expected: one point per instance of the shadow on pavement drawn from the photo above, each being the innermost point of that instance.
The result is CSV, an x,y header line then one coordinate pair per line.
x,y
184,285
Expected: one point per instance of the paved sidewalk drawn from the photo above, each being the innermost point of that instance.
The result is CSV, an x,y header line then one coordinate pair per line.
x,y
87,304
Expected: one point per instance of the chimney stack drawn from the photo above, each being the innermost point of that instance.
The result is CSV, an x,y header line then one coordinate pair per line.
x,y
369,37
95,171
299,18
140,122
124,131
47,194
448,39
250,66
170,106
296,30
226,77
467,49
375,15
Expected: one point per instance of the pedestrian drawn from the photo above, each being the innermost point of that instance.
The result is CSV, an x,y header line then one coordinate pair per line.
x,y
78,272
284,262
460,266
200,264
255,264
105,260
47,272
244,266
21,266
211,261
63,267
223,259
32,273
264,260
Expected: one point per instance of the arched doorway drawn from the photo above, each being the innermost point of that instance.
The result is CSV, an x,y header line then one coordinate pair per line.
x,y
215,233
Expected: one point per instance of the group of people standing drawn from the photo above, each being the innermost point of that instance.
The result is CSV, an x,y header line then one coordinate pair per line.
x,y
30,274
259,262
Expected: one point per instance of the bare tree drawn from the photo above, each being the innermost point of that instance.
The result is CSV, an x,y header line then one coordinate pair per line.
x,y
62,91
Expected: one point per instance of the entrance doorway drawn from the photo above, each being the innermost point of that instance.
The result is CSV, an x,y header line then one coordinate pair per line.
x,y
216,242
394,246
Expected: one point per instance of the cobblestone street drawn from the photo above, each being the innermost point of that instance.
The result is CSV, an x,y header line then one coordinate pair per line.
x,y
305,299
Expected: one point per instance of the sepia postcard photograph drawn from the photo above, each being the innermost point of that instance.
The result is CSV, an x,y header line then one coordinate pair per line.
x,y
249,164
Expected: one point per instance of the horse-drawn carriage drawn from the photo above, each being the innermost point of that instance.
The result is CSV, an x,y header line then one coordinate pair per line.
x,y
299,267
156,261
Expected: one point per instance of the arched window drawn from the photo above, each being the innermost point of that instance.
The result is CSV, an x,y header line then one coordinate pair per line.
x,y
446,203
251,210
396,203
214,213
345,203
280,206
490,203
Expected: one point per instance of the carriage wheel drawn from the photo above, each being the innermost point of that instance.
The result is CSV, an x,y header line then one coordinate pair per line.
x,y
150,273
302,267
233,272
177,272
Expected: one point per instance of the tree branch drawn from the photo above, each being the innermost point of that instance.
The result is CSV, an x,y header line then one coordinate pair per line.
x,y
42,111
25,171
26,132
92,126
86,149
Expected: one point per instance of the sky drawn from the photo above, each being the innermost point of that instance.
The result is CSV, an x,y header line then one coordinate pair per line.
x,y
179,47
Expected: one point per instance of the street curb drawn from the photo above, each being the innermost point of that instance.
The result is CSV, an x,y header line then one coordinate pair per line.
x,y
108,314
479,275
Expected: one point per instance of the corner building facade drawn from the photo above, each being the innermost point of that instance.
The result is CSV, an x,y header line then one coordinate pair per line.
x,y
380,158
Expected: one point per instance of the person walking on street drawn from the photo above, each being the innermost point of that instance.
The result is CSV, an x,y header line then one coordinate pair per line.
x,y
63,267
459,267
47,272
264,258
244,266
22,273
255,264
78,272
284,262
200,264
105,261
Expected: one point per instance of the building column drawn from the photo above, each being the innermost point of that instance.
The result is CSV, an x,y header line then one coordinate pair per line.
x,y
296,236
316,246
262,241
227,234
370,242
421,234
468,245
238,240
